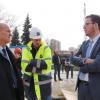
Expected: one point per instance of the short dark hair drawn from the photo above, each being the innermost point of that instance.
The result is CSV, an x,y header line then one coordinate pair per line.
x,y
94,19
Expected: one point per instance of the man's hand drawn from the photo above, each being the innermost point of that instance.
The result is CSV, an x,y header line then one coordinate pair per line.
x,y
78,61
17,56
88,61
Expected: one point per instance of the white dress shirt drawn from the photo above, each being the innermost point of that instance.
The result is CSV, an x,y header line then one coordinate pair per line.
x,y
84,76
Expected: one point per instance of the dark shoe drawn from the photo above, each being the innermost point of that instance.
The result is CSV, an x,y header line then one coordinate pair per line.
x,y
55,80
60,79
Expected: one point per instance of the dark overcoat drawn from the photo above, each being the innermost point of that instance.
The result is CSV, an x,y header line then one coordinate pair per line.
x,y
7,91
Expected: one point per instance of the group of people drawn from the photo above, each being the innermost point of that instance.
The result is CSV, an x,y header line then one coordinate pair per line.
x,y
26,72
36,61
61,63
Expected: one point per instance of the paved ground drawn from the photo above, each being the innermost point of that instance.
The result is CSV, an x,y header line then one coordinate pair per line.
x,y
67,85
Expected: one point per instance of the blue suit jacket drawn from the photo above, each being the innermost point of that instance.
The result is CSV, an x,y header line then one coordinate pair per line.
x,y
93,69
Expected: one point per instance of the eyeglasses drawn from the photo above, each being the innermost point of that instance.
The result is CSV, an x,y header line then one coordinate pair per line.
x,y
88,24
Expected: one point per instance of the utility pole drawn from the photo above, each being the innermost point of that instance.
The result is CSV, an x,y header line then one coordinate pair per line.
x,y
84,11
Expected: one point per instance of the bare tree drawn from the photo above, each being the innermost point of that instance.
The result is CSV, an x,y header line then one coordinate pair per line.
x,y
6,17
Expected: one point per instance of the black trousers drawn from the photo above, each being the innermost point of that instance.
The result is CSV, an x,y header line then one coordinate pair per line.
x,y
84,92
57,71
68,69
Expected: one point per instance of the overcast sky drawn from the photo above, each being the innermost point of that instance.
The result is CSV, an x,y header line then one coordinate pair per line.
x,y
58,19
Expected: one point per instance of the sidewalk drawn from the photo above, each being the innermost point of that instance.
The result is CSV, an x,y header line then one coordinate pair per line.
x,y
67,85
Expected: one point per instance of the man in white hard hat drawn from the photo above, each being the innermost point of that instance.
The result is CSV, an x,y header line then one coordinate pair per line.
x,y
35,33
36,66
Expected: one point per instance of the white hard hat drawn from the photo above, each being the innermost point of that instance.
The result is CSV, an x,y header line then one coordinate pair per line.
x,y
35,33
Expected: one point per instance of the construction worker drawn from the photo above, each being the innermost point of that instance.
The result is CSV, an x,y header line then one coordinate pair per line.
x,y
36,66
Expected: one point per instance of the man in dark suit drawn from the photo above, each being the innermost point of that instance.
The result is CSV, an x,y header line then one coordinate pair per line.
x,y
57,63
11,87
69,67
88,59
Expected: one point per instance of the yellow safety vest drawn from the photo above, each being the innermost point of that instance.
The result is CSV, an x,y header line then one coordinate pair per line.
x,y
44,53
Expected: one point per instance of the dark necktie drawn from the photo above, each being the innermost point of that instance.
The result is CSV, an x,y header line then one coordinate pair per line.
x,y
4,52
11,68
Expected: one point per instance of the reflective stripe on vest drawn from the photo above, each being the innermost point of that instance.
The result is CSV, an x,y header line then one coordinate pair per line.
x,y
40,82
37,87
25,61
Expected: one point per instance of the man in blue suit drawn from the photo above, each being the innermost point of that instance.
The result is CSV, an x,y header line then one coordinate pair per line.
x,y
88,59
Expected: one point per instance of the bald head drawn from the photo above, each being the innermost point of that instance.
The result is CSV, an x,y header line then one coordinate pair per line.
x,y
5,34
3,25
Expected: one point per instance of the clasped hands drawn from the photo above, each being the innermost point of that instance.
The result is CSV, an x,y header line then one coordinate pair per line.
x,y
88,61
78,61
